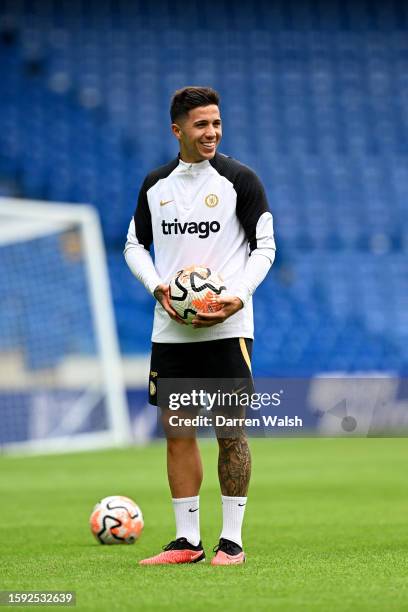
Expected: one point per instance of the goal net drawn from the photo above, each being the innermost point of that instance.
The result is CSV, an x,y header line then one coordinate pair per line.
x,y
61,383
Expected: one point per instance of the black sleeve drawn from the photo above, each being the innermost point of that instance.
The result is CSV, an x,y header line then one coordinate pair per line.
x,y
251,203
143,218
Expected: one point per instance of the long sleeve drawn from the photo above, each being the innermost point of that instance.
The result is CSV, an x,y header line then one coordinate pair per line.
x,y
257,268
140,261
139,240
256,219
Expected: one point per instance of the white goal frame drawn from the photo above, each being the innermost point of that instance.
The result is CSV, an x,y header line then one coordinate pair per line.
x,y
30,219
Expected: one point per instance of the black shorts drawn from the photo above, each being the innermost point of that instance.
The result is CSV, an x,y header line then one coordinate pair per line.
x,y
229,358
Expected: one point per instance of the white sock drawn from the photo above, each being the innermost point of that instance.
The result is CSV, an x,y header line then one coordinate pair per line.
x,y
187,511
233,510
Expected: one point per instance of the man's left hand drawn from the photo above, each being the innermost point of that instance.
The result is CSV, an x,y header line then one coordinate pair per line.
x,y
229,306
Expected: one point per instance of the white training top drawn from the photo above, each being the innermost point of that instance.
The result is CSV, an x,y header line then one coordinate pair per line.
x,y
214,213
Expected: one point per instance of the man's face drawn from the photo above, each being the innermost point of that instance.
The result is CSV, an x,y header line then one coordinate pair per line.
x,y
199,133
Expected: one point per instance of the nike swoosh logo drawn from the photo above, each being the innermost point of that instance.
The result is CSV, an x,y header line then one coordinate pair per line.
x,y
191,510
241,504
163,202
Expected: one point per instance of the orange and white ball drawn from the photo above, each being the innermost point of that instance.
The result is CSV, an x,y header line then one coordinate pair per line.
x,y
116,520
194,289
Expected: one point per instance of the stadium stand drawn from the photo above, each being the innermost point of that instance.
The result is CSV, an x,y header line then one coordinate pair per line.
x,y
314,98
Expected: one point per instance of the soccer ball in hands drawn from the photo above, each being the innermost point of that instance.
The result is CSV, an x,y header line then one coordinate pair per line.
x,y
116,520
193,290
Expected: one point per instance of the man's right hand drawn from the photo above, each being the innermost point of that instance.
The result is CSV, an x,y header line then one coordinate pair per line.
x,y
161,293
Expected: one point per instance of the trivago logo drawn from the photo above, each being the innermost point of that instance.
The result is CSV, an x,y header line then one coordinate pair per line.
x,y
202,228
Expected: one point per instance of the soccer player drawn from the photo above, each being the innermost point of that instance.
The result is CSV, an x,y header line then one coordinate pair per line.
x,y
223,204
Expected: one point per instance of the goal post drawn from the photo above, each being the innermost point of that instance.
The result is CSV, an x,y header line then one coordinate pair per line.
x,y
61,379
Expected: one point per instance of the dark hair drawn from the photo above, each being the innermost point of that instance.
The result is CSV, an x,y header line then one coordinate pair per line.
x,y
188,98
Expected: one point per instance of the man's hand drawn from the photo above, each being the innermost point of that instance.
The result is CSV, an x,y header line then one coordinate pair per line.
x,y
230,305
161,293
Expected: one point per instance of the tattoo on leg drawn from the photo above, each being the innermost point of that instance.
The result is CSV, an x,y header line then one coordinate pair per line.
x,y
234,466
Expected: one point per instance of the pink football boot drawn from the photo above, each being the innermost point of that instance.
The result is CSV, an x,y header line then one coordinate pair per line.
x,y
178,551
228,553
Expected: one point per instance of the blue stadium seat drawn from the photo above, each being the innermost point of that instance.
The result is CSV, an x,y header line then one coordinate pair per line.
x,y
313,99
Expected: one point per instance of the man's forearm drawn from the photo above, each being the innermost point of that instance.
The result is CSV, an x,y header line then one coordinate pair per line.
x,y
141,265
257,268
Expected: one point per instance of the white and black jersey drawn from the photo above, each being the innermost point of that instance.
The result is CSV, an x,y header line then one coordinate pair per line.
x,y
213,213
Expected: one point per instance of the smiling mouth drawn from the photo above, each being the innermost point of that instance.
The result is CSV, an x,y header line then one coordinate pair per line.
x,y
208,145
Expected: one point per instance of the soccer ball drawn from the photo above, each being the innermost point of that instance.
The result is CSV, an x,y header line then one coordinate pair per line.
x,y
193,290
116,520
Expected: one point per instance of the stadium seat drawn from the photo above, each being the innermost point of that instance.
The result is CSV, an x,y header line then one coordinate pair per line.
x,y
313,100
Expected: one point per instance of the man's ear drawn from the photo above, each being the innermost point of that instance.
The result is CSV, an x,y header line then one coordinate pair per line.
x,y
176,129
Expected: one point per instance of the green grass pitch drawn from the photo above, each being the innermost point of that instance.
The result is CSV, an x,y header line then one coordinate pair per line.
x,y
326,529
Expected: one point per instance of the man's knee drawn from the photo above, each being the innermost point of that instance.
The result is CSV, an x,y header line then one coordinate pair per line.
x,y
177,425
